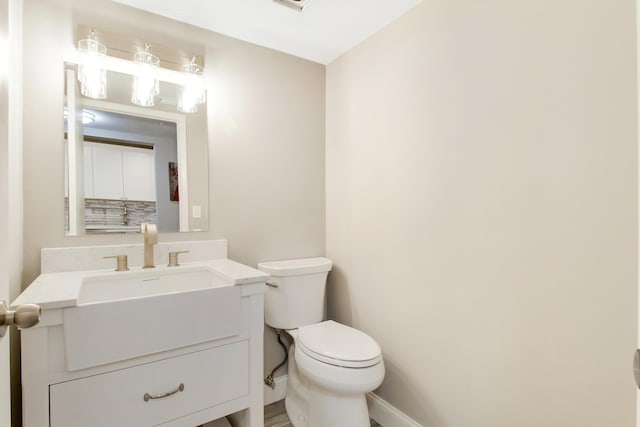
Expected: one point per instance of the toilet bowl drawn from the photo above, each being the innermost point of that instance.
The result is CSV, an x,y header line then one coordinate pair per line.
x,y
331,366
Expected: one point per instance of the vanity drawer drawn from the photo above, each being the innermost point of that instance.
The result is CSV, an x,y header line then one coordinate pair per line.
x,y
210,377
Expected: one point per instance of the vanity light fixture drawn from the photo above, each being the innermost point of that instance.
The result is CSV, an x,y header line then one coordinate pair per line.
x,y
192,92
145,82
91,75
93,64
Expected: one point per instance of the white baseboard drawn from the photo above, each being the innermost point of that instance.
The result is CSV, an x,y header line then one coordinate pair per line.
x,y
386,414
379,409
273,395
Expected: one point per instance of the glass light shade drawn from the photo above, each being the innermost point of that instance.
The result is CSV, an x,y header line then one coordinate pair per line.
x,y
92,78
193,91
145,83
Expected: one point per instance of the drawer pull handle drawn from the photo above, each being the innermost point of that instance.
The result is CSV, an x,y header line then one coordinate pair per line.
x,y
148,396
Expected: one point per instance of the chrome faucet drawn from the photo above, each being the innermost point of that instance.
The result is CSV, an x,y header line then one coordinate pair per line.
x,y
150,233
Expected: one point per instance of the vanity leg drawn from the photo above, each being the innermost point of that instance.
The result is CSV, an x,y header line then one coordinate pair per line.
x,y
255,413
250,417
253,416
35,389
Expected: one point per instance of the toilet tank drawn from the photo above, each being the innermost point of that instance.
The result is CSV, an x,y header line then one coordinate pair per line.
x,y
296,296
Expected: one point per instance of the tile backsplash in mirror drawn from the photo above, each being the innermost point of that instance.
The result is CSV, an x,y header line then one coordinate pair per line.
x,y
116,216
106,215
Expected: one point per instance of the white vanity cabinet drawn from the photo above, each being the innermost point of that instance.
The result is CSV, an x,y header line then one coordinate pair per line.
x,y
183,385
119,172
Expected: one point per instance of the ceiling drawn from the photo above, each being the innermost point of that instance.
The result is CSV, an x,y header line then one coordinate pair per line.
x,y
133,128
323,31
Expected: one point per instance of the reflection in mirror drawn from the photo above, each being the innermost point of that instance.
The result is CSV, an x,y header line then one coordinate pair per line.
x,y
125,165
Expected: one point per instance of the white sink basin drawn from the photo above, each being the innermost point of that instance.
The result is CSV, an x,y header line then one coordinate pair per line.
x,y
127,285
123,315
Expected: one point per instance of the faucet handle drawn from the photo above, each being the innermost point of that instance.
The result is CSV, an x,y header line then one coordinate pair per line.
x,y
173,258
122,262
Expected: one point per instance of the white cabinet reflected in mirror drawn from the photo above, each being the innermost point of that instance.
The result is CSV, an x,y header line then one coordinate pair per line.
x,y
125,164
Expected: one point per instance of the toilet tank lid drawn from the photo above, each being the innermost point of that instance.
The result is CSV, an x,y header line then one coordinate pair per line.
x,y
296,267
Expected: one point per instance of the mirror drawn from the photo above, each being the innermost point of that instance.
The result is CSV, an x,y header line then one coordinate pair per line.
x,y
125,164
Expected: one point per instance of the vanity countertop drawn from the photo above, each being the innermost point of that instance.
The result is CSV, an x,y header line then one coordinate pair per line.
x,y
59,290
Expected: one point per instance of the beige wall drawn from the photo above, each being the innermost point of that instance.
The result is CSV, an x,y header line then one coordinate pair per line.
x,y
481,209
266,137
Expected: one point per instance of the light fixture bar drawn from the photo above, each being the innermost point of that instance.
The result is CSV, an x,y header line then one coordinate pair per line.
x,y
124,66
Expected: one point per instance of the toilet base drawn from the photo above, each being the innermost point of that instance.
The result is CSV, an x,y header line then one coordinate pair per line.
x,y
324,409
296,401
327,409
310,405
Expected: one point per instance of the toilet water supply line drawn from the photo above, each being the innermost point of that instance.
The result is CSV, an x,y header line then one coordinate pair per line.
x,y
268,380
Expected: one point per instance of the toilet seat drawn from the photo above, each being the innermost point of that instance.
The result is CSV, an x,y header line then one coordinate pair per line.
x,y
338,345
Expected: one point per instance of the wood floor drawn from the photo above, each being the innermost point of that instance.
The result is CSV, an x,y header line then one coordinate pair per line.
x,y
276,416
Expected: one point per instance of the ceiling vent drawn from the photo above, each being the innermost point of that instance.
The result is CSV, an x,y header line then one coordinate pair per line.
x,y
294,4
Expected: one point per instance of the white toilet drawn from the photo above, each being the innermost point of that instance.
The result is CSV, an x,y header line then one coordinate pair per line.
x,y
331,366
